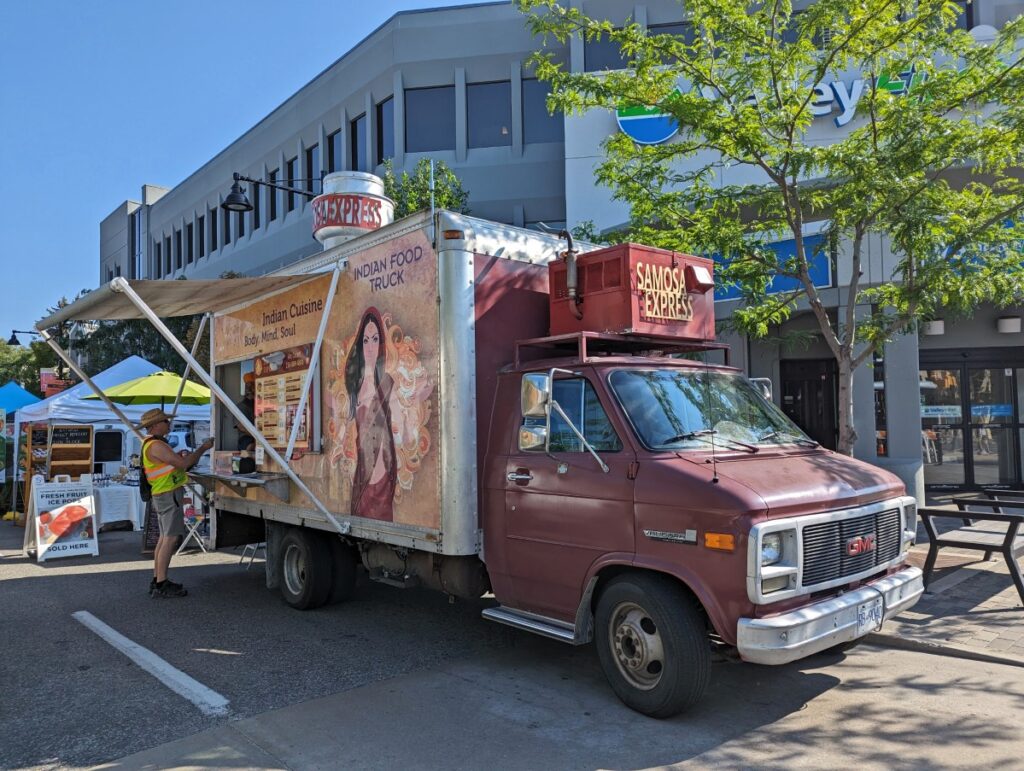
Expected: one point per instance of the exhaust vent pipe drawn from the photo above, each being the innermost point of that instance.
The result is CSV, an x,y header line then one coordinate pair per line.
x,y
571,276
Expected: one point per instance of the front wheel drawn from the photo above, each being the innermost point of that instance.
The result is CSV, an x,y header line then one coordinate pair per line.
x,y
652,644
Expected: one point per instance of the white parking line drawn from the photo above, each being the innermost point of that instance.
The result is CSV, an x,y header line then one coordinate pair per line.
x,y
208,701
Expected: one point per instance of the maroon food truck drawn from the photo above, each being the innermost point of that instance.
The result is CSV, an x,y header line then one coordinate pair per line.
x,y
458,404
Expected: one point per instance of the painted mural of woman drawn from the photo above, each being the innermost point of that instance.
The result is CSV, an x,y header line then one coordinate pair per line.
x,y
370,390
381,436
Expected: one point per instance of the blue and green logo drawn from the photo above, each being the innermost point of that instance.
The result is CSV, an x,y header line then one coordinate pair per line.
x,y
646,125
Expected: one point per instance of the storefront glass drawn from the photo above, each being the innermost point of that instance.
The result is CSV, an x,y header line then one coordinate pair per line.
x,y
942,434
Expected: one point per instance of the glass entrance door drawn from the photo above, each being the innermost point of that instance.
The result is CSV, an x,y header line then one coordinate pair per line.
x,y
970,425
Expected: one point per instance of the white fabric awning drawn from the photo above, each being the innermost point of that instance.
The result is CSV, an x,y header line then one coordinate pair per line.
x,y
170,298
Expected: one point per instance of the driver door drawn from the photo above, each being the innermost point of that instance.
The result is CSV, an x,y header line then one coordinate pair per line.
x,y
562,512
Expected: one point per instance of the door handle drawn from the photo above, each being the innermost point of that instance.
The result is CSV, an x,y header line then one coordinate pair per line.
x,y
515,476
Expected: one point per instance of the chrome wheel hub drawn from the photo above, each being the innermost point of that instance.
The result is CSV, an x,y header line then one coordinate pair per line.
x,y
294,569
637,646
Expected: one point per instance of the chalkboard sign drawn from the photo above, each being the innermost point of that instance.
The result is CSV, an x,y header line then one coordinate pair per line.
x,y
72,435
150,529
40,437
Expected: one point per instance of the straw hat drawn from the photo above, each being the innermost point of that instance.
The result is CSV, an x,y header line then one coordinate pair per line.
x,y
155,415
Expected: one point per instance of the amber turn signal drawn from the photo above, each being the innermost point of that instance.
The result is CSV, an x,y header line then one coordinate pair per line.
x,y
721,541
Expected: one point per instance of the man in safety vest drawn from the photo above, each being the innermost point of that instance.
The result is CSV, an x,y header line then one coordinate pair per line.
x,y
165,472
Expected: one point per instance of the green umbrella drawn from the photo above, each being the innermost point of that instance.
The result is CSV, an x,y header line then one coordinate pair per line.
x,y
159,387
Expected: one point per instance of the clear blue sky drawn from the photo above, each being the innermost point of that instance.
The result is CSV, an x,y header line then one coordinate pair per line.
x,y
98,97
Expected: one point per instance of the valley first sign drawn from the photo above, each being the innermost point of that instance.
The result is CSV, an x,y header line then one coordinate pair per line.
x,y
651,126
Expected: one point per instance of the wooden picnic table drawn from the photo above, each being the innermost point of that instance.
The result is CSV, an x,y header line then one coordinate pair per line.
x,y
990,525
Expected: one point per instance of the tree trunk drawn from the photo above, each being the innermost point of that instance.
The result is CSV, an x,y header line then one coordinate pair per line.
x,y
847,433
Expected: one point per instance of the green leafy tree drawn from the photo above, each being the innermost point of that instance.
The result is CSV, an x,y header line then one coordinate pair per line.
x,y
930,165
411,192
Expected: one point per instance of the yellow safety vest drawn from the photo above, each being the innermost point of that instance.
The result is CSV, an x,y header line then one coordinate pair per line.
x,y
162,477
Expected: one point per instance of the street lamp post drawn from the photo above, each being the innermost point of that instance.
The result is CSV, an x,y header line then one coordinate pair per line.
x,y
13,339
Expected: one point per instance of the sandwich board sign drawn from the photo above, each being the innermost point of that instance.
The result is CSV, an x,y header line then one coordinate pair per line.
x,y
62,520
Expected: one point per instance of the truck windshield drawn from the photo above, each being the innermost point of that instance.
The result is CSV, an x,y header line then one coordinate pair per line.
x,y
680,409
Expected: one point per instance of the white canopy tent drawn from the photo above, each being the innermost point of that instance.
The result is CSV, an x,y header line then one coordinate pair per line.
x,y
69,406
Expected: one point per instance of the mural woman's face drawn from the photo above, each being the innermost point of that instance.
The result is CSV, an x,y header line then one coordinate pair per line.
x,y
371,345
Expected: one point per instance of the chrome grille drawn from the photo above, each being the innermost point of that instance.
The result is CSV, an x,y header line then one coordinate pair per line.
x,y
825,546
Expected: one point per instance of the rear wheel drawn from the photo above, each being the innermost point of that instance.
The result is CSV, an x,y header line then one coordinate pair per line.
x,y
653,645
306,578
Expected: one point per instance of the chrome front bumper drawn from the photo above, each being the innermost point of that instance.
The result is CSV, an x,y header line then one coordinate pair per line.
x,y
799,633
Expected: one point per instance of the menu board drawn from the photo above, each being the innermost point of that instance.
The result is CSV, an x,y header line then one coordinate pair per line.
x,y
72,435
279,379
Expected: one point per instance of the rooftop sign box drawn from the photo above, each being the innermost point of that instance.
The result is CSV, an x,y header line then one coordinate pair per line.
x,y
633,289
353,203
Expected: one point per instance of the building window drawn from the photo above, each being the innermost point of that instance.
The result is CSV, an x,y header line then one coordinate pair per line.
x,y
157,265
240,228
334,151
291,169
680,29
226,227
177,249
312,167
357,131
190,243
489,114
538,124
201,235
117,271
385,130
167,255
966,18
430,119
133,244
254,198
603,54
272,194
213,230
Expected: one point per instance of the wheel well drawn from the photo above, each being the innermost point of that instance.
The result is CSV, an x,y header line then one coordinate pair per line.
x,y
608,574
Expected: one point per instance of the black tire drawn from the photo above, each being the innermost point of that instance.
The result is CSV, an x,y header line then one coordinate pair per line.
x,y
344,564
653,644
306,578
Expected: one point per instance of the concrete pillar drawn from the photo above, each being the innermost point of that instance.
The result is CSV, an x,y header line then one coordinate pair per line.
x,y
903,411
516,87
399,128
461,127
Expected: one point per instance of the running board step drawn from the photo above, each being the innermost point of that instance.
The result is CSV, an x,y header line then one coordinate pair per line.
x,y
531,622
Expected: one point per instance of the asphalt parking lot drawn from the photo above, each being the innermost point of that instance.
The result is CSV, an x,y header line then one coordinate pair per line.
x,y
231,634
404,679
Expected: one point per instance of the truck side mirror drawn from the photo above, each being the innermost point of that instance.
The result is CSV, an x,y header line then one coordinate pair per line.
x,y
535,395
532,437
764,385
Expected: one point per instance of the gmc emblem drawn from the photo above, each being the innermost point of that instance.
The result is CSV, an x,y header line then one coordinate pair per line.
x,y
862,544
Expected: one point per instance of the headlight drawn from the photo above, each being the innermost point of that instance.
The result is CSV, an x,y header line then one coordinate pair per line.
x,y
771,548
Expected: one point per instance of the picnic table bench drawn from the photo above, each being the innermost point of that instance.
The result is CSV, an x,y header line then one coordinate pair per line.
x,y
990,525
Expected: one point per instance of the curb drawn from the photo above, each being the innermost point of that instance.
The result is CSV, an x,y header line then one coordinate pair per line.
x,y
940,649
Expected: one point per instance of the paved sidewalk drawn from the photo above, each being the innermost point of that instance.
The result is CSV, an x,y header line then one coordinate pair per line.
x,y
971,609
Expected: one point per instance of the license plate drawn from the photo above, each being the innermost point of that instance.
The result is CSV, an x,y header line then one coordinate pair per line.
x,y
869,616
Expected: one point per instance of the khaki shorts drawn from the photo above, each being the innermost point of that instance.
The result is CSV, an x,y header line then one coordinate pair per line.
x,y
169,513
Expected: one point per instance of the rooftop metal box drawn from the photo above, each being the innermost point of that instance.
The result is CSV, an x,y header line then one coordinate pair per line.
x,y
633,289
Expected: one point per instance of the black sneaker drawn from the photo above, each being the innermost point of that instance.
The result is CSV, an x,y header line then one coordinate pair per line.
x,y
169,589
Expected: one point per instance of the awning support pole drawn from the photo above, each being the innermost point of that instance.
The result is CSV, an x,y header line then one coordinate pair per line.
x,y
188,367
85,379
120,284
314,364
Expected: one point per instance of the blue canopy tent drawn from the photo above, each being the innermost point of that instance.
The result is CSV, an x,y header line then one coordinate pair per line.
x,y
13,397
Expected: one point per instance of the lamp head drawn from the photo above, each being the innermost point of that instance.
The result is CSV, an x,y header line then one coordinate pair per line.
x,y
13,340
237,200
